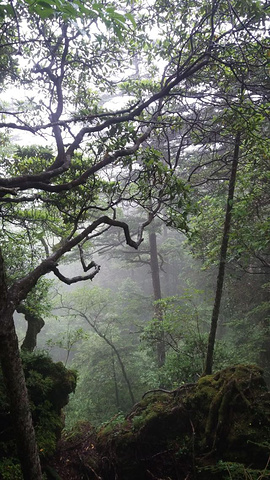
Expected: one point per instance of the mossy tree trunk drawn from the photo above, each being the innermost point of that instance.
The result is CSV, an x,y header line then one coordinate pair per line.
x,y
19,405
222,260
34,324
15,383
157,295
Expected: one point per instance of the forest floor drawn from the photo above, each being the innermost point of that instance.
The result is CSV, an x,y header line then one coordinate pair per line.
x,y
70,460
216,429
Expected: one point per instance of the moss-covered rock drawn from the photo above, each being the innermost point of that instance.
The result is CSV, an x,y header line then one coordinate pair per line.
x,y
48,380
49,385
217,428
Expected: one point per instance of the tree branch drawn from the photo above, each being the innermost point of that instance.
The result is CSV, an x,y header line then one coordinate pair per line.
x,y
79,278
36,181
19,290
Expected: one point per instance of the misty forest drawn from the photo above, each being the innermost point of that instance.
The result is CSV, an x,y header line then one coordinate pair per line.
x,y
135,240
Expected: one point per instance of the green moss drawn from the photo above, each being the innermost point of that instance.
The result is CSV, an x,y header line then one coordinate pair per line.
x,y
152,411
139,420
217,429
10,469
49,385
48,380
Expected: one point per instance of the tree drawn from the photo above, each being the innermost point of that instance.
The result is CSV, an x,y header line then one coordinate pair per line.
x,y
108,360
223,259
18,259
64,64
244,121
185,326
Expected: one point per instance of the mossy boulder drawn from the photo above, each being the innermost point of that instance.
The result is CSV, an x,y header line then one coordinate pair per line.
x,y
48,380
205,430
49,385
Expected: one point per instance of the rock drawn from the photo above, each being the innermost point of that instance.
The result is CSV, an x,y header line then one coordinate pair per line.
x,y
219,425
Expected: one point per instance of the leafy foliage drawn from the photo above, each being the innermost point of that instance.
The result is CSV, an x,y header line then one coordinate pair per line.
x,y
143,104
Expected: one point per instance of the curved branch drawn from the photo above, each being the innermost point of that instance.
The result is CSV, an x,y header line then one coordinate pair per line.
x,y
35,181
79,278
19,290
85,267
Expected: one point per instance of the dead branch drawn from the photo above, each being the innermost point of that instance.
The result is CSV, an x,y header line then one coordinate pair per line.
x,y
176,391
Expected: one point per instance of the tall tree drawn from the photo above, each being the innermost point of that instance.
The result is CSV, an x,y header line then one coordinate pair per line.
x,y
223,258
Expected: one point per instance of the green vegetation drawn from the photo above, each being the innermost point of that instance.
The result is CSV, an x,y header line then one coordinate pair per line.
x,y
216,428
134,153
49,385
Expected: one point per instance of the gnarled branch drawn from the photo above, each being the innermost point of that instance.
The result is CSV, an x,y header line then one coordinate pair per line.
x,y
79,278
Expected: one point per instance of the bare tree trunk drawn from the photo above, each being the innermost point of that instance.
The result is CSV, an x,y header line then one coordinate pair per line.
x,y
222,261
117,400
122,366
157,295
114,349
15,383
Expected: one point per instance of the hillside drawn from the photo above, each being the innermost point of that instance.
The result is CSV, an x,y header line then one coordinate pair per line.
x,y
215,429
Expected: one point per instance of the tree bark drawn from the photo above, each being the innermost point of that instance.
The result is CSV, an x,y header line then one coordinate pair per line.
x,y
222,261
34,324
19,406
157,295
16,388
117,400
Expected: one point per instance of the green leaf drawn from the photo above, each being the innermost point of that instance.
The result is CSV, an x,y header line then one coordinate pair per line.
x,y
6,9
130,17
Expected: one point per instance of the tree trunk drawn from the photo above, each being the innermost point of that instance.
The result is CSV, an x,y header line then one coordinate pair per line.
x,y
16,388
114,349
122,366
34,324
117,400
157,295
222,261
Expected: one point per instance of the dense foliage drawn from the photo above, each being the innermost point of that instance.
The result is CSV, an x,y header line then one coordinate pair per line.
x,y
118,118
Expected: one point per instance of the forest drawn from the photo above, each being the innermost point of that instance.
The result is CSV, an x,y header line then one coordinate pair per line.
x,y
134,240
